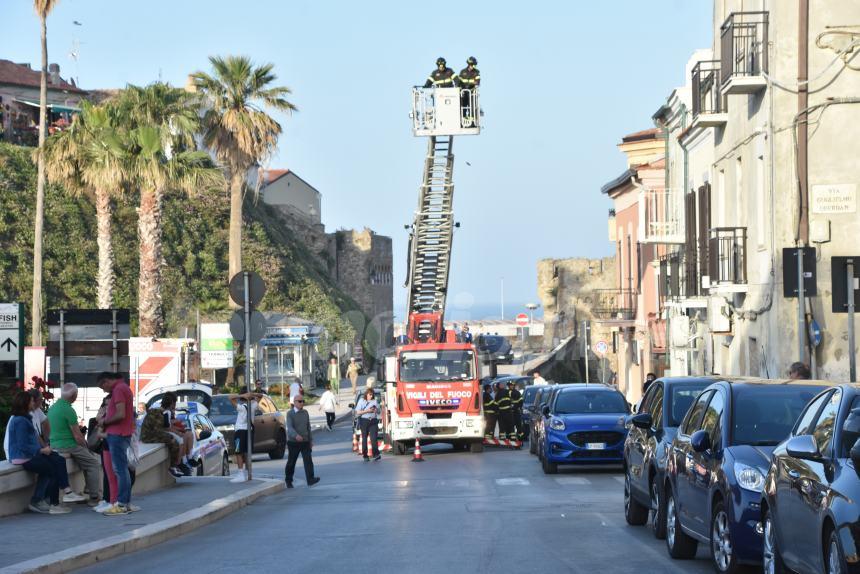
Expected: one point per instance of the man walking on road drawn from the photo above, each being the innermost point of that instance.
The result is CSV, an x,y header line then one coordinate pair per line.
x,y
299,441
352,374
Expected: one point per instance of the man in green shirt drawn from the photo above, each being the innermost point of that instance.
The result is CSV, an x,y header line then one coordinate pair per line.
x,y
66,438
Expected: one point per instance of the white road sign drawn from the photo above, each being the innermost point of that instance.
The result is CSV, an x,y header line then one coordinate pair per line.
x,y
600,347
216,346
10,320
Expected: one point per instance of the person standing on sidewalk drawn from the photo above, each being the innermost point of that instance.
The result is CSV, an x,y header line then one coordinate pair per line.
x,y
242,431
328,403
367,411
299,441
334,375
352,372
119,425
66,438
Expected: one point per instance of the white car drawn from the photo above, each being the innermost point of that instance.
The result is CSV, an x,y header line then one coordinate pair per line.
x,y
210,448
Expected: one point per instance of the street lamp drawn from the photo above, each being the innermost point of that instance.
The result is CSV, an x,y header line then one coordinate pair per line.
x,y
531,307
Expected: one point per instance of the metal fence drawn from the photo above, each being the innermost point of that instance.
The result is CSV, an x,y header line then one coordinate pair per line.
x,y
614,304
727,255
707,98
743,45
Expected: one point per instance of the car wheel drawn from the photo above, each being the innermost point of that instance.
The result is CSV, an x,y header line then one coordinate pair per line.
x,y
658,511
771,560
635,512
200,471
280,447
532,445
225,465
722,548
476,447
399,447
833,554
549,467
680,546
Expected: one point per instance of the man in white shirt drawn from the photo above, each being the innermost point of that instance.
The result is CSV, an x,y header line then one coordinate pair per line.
x,y
538,379
242,432
296,390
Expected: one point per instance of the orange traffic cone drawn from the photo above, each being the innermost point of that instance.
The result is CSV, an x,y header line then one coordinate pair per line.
x,y
417,456
354,442
369,446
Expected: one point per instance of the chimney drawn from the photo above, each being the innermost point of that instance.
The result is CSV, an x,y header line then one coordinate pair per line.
x,y
54,74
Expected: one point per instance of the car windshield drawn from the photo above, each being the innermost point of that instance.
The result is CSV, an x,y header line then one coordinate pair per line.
x,y
491,343
682,398
419,366
763,415
221,405
589,402
529,395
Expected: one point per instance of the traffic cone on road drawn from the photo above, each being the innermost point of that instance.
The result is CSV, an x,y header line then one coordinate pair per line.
x,y
417,456
354,442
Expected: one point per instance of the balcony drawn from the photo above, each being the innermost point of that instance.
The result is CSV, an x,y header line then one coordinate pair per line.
x,y
727,259
661,216
709,108
678,286
743,52
614,305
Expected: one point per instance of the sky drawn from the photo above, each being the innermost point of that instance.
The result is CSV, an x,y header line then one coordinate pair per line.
x,y
562,82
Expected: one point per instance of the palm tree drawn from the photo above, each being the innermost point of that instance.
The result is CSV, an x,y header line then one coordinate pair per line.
x,y
157,151
43,8
79,160
237,129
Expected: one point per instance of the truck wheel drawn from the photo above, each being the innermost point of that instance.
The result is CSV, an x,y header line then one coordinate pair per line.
x,y
476,447
399,447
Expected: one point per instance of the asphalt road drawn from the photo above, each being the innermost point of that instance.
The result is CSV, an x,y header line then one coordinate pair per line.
x,y
455,512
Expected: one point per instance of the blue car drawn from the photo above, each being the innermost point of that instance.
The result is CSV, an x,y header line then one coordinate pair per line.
x,y
583,424
718,463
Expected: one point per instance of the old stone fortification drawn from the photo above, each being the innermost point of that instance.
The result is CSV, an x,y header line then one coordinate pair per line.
x,y
566,289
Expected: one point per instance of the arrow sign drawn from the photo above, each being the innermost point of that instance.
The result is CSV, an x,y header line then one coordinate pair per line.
x,y
10,324
8,343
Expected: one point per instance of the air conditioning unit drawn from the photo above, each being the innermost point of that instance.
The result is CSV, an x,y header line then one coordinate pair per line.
x,y
719,316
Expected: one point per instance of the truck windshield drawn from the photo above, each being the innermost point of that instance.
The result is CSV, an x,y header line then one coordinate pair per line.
x,y
419,366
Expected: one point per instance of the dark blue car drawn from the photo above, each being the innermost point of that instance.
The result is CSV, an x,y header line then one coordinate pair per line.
x,y
811,499
584,424
720,456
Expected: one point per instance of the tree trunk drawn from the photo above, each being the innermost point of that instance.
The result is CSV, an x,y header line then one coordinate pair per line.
x,y
237,181
105,243
150,312
36,316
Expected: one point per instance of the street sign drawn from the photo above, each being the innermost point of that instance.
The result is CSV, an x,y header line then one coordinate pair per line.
x,y
258,326
522,320
839,283
216,346
256,288
600,347
789,271
84,342
10,332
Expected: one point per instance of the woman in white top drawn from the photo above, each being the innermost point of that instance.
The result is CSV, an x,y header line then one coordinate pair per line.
x,y
328,403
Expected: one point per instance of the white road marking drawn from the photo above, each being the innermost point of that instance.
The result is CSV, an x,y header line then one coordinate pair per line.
x,y
578,480
619,479
515,481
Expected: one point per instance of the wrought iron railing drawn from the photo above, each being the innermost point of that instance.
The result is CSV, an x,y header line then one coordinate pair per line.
x,y
727,255
707,98
662,216
614,304
743,45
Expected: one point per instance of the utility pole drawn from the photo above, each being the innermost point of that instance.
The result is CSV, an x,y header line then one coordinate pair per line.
x,y
801,309
586,330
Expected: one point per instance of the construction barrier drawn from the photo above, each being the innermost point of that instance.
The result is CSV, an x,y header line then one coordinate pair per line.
x,y
503,442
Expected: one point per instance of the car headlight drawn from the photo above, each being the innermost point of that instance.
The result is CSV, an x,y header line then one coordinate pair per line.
x,y
404,424
749,478
556,424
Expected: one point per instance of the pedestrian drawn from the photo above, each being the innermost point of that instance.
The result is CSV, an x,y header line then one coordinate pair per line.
x,y
40,419
296,389
66,438
26,452
491,412
468,80
516,411
506,415
328,403
156,429
538,379
118,423
799,370
649,378
258,387
334,375
367,411
299,442
242,431
465,335
352,372
177,428
441,77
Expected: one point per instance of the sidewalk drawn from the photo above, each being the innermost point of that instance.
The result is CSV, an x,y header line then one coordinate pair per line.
x,y
38,542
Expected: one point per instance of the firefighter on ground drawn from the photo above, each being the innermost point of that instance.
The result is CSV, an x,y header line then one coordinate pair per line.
x,y
468,80
517,409
441,77
506,413
491,412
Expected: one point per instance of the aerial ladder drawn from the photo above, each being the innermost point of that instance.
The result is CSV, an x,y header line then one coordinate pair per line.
x,y
433,391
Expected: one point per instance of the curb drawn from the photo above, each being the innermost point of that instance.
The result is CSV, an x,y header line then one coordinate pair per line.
x,y
144,537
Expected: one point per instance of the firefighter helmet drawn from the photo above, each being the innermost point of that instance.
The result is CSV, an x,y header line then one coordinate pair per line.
x,y
472,61
440,61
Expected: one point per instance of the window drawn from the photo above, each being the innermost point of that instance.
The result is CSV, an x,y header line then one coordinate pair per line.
x,y
434,366
763,415
738,207
850,429
266,406
656,408
682,398
712,421
645,404
826,422
199,427
807,418
694,417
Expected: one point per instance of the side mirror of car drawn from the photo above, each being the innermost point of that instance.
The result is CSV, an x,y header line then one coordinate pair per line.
x,y
258,413
351,405
855,454
204,434
804,447
545,410
642,421
700,441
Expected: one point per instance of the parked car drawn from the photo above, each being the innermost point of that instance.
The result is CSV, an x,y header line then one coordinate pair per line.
x,y
584,424
495,348
810,505
646,450
270,425
717,465
210,447
539,421
529,395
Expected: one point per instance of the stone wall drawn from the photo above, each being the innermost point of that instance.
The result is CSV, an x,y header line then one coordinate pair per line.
x,y
566,290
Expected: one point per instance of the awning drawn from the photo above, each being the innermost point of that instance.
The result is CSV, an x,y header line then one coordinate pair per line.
x,y
53,107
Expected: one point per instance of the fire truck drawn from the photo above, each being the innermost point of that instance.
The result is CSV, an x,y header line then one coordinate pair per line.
x,y
432,390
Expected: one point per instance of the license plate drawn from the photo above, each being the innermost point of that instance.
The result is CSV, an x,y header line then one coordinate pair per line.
x,y
595,445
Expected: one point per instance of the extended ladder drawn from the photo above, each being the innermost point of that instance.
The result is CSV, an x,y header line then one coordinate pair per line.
x,y
432,231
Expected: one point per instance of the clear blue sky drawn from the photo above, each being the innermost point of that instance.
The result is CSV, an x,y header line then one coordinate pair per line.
x,y
562,82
